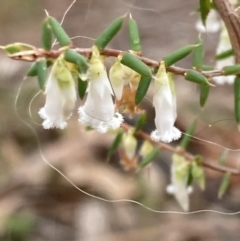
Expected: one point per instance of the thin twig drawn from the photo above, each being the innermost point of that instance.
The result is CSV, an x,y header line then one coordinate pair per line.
x,y
188,156
34,55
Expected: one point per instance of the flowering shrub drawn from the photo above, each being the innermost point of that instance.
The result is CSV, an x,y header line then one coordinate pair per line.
x,y
112,95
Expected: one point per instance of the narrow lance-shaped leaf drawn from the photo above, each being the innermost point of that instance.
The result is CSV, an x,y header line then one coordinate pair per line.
x,y
82,87
237,100
224,184
150,157
117,141
187,137
46,34
79,60
59,33
231,70
17,47
141,121
224,54
135,43
204,92
136,64
178,55
205,6
42,72
196,77
198,54
107,35
33,69
142,88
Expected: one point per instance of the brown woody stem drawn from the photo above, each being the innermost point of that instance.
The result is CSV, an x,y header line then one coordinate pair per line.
x,y
32,56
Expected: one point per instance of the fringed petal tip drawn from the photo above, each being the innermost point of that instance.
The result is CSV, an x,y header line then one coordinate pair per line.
x,y
167,137
50,123
100,125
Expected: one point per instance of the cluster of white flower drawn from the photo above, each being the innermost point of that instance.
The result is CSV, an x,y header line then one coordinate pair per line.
x,y
99,110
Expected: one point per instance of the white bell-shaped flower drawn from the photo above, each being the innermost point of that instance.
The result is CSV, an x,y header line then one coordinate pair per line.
x,y
213,23
179,178
224,45
60,97
164,102
98,110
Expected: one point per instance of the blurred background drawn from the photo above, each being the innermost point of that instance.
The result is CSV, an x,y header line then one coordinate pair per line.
x,y
37,203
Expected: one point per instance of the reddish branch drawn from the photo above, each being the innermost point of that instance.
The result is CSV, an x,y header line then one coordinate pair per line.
x,y
33,55
188,156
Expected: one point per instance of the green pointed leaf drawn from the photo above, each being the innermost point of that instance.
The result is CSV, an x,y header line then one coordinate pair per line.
x,y
198,54
187,138
178,55
135,43
231,70
140,123
116,142
107,35
82,88
136,64
59,32
76,58
196,77
223,157
150,157
224,54
224,184
237,99
205,6
204,92
46,35
17,47
42,72
142,88
33,69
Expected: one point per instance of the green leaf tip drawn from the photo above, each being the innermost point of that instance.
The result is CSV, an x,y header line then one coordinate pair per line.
x,y
196,77
116,142
78,59
82,87
142,88
46,34
204,93
107,35
135,43
198,54
59,32
178,54
205,6
136,64
150,157
187,138
224,184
